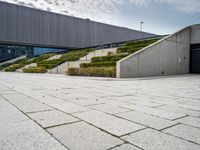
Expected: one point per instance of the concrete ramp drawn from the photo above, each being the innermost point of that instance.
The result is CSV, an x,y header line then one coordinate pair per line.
x,y
168,56
13,60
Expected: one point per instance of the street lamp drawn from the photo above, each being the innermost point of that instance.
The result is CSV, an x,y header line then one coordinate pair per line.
x,y
141,23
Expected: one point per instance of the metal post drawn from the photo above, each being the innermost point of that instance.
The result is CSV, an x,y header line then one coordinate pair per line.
x,y
50,68
141,23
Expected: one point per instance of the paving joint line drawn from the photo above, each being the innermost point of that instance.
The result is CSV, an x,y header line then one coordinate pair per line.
x,y
180,118
59,125
181,138
36,123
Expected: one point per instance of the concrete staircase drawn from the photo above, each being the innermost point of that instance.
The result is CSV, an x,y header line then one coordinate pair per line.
x,y
61,69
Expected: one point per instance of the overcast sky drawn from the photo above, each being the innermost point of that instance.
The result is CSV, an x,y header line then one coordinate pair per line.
x,y
159,16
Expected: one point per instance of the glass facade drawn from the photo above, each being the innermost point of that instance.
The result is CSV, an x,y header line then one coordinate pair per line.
x,y
40,50
8,52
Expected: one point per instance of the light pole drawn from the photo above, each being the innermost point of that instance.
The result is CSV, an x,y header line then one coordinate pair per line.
x,y
141,23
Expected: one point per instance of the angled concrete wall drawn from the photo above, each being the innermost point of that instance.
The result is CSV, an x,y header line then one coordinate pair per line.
x,y
169,56
195,34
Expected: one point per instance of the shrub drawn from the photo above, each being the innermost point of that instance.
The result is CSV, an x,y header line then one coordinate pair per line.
x,y
42,57
4,66
123,49
133,50
21,61
110,53
35,70
14,67
107,58
49,64
70,57
147,42
132,47
116,59
93,71
74,55
98,64
73,71
80,51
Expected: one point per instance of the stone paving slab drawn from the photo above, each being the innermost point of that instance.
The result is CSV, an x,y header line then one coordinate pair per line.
x,y
27,136
78,99
147,120
109,123
136,101
191,107
61,104
157,112
82,136
18,132
190,121
185,132
26,104
190,100
4,88
52,118
110,109
150,139
115,103
180,110
9,114
9,92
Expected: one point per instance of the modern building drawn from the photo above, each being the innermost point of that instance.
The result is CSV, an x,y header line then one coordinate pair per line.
x,y
35,30
176,54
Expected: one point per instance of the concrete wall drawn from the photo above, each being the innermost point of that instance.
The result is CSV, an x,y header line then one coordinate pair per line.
x,y
169,56
28,26
195,34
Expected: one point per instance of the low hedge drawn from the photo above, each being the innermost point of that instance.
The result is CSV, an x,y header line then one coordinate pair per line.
x,y
70,56
129,50
4,66
14,67
35,70
93,71
50,64
82,50
110,53
107,58
42,57
22,62
116,59
123,49
132,47
133,50
135,43
98,64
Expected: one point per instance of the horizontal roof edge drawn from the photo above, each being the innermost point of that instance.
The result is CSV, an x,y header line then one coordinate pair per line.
x,y
73,17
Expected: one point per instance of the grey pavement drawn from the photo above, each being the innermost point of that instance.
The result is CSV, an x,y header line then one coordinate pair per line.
x,y
57,112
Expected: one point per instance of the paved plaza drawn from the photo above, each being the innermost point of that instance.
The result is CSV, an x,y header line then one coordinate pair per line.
x,y
56,112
